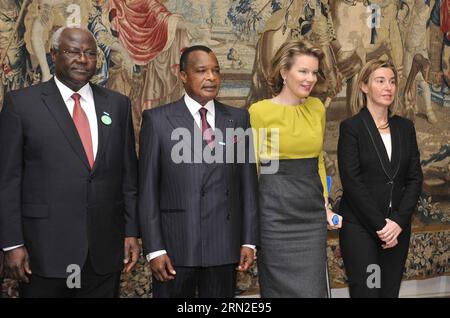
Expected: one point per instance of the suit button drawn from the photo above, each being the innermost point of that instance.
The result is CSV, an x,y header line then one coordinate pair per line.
x,y
89,180
228,216
203,193
227,192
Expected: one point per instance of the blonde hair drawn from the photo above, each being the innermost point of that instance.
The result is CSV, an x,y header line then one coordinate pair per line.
x,y
359,99
285,58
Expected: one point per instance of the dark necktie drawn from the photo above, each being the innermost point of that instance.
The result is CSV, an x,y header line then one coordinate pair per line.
x,y
207,131
84,131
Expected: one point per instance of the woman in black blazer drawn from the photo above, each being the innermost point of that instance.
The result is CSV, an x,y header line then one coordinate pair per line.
x,y
381,177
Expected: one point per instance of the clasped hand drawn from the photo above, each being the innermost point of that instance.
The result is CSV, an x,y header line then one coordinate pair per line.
x,y
389,234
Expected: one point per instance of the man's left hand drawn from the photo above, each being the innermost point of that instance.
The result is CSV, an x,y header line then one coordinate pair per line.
x,y
131,253
247,257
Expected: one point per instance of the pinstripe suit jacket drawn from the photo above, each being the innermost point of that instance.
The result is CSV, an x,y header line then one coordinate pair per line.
x,y
199,212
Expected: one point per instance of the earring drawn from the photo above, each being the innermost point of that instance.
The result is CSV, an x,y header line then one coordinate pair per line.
x,y
284,81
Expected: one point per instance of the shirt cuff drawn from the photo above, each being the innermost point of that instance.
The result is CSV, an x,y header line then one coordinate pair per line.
x,y
6,249
153,255
253,247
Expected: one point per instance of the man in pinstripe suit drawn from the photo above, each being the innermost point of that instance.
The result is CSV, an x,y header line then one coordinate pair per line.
x,y
198,219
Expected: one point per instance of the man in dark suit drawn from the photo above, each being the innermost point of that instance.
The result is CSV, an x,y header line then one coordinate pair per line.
x,y
68,179
198,218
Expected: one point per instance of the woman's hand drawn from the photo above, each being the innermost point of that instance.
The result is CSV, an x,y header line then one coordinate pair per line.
x,y
331,225
389,233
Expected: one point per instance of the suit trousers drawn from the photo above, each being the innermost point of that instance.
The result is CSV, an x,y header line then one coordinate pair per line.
x,y
204,282
92,285
360,249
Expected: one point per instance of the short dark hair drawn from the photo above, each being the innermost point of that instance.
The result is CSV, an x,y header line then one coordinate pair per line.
x,y
185,55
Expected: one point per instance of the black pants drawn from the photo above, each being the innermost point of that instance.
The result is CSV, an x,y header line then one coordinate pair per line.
x,y
204,282
360,250
92,285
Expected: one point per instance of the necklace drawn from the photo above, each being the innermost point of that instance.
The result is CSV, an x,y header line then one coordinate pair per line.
x,y
383,126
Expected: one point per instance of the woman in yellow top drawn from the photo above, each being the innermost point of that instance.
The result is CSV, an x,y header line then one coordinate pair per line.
x,y
289,130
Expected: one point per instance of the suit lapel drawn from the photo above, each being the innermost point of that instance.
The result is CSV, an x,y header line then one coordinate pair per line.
x,y
102,107
182,118
396,145
377,142
223,120
57,107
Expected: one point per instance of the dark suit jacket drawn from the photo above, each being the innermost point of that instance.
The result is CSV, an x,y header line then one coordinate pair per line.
x,y
199,213
369,180
50,200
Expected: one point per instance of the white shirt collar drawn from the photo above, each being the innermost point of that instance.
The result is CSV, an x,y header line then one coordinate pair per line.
x,y
66,92
194,106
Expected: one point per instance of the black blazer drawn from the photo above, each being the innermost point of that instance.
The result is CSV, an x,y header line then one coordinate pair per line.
x,y
50,200
369,180
200,213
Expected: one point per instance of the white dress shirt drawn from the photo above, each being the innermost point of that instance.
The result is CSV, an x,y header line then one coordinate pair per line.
x,y
88,105
194,107
388,145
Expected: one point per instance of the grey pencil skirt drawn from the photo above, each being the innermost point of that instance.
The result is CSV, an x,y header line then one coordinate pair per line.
x,y
292,254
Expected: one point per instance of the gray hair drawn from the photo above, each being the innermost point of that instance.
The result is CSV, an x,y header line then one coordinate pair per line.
x,y
56,37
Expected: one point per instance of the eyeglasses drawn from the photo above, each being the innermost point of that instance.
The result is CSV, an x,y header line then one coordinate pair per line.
x,y
91,55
